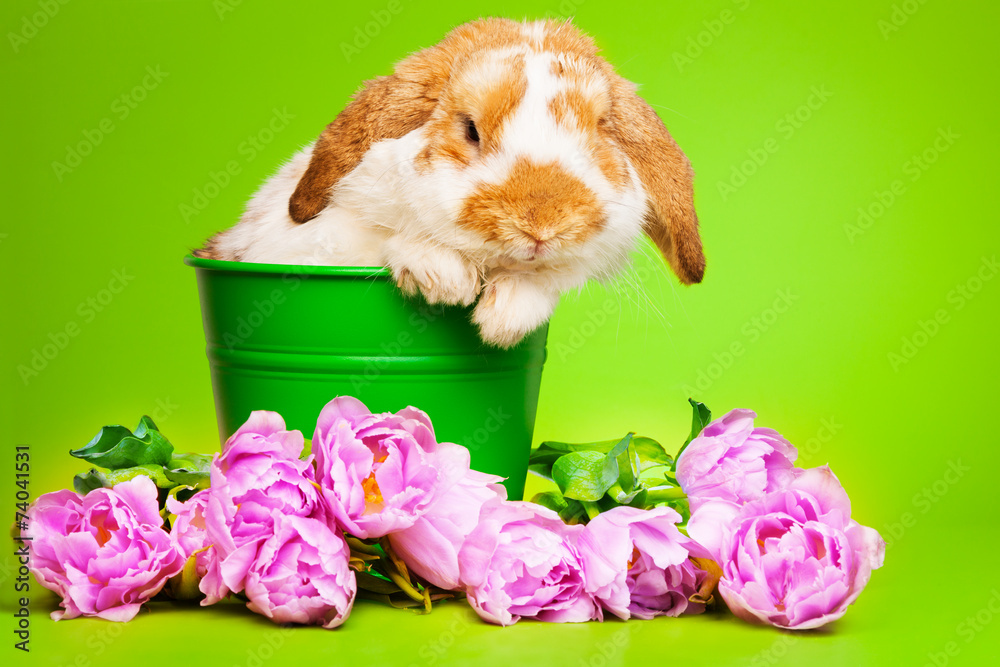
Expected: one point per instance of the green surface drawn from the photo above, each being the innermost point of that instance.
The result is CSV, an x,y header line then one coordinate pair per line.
x,y
805,303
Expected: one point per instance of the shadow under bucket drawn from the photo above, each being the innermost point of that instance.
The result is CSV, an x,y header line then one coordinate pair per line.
x,y
291,338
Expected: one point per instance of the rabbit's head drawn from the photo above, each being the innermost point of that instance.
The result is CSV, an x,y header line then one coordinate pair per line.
x,y
534,149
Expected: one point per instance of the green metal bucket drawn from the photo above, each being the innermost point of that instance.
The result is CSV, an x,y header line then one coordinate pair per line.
x,y
291,338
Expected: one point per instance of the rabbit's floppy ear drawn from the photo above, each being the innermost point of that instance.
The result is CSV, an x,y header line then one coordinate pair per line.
x,y
666,174
386,108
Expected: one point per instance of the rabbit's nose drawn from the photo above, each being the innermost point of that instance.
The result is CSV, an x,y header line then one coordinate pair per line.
x,y
534,203
538,249
540,234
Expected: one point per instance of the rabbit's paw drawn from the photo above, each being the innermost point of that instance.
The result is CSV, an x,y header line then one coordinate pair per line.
x,y
510,308
441,275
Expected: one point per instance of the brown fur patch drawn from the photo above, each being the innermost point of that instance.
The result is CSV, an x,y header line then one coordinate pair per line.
x,y
573,108
610,163
536,203
387,107
487,103
564,37
211,249
499,103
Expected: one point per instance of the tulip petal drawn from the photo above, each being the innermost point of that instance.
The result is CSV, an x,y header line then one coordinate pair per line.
x,y
708,525
824,486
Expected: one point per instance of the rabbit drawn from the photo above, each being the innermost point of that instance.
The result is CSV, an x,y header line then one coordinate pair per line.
x,y
501,167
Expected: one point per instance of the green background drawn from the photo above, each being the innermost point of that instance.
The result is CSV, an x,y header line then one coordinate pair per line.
x,y
799,317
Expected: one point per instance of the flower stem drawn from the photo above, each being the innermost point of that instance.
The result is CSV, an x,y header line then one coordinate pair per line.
x,y
405,586
659,495
427,599
592,509
358,545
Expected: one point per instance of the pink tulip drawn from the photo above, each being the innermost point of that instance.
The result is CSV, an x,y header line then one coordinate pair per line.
x,y
257,477
301,574
522,561
794,558
105,553
731,460
381,472
638,564
430,546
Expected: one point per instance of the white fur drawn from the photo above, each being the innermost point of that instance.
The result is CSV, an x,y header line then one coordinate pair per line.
x,y
266,233
386,212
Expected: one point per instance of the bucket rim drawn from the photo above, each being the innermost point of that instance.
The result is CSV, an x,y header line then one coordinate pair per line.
x,y
285,269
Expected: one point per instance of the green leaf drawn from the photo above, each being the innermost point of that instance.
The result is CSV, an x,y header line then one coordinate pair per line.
x,y
551,500
574,512
650,453
95,478
699,420
181,493
628,465
568,509
682,507
663,496
86,482
190,462
640,499
154,472
621,446
146,426
585,475
197,480
115,447
190,470
618,496
542,470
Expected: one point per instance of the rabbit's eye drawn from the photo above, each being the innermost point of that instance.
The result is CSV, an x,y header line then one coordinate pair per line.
x,y
471,133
